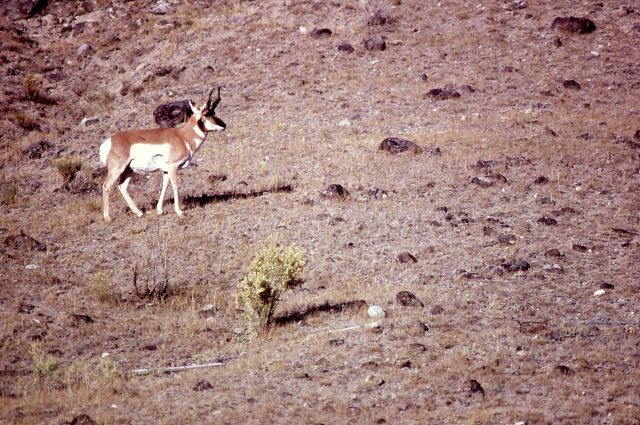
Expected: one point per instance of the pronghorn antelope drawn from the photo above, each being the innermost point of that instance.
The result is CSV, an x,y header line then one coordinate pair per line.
x,y
156,149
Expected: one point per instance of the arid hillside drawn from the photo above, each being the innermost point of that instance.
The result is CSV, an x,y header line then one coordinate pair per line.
x,y
471,168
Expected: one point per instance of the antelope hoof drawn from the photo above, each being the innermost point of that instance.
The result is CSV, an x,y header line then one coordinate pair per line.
x,y
139,214
159,212
180,213
107,219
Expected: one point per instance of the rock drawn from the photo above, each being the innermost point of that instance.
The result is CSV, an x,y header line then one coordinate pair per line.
x,y
376,312
599,292
541,180
553,268
214,178
508,239
84,50
408,299
557,42
549,132
396,145
486,163
345,47
334,191
80,420
423,77
202,386
482,181
419,327
160,7
475,387
207,311
406,257
173,113
547,221
571,85
23,242
81,318
336,342
574,25
88,122
436,309
377,193
606,286
443,93
579,248
564,370
25,9
375,43
636,135
433,151
320,33
553,252
516,266
36,149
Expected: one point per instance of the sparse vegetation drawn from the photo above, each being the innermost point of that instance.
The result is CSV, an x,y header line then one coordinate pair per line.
x,y
44,365
102,288
68,168
273,270
25,121
8,192
31,86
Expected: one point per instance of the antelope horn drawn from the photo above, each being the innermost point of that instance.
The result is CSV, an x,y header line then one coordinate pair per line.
x,y
211,106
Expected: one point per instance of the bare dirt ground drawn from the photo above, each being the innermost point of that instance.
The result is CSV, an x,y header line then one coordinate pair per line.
x,y
529,207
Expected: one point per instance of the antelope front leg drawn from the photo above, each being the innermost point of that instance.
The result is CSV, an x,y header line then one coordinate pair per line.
x,y
173,177
165,183
126,178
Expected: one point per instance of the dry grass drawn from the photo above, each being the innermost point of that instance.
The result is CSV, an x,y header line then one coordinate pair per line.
x,y
303,115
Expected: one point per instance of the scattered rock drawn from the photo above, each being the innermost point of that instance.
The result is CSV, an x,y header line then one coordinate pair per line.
x,y
37,149
84,50
599,292
571,85
336,342
320,33
467,88
207,311
23,242
396,145
579,248
160,7
489,180
443,93
508,239
550,132
375,43
557,42
425,77
405,364
150,347
377,193
486,163
516,266
81,318
26,9
407,257
345,47
203,385
475,387
436,309
547,221
80,420
408,299
564,370
334,191
517,161
376,312
574,24
553,252
171,114
553,268
541,180
636,135
25,308
88,122
420,327
214,178
433,151
606,286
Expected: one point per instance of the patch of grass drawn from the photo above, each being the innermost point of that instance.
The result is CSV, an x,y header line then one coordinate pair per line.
x,y
25,121
8,193
101,288
68,168
272,271
31,86
44,365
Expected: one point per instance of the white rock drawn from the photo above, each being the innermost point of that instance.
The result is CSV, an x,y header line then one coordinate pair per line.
x,y
376,312
599,292
31,266
344,123
83,50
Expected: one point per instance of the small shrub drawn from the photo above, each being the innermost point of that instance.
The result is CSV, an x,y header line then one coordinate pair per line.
x,y
68,168
25,121
31,86
44,365
8,193
272,271
101,287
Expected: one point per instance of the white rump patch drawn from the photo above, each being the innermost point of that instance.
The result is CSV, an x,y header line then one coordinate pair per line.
x,y
105,148
147,158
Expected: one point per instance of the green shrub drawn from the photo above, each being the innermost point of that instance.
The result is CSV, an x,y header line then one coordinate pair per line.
x,y
44,365
68,168
31,86
272,271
